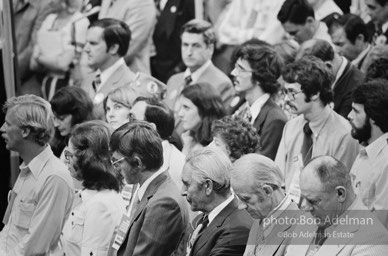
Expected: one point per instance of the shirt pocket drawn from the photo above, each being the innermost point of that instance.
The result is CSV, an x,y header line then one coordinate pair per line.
x,y
24,214
77,229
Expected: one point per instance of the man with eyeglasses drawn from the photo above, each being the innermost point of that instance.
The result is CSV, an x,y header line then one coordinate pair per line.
x,y
256,71
41,199
222,228
157,218
256,180
318,129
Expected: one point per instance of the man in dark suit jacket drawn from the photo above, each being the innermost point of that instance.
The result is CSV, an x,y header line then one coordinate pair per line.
x,y
378,26
157,218
167,60
256,72
105,55
198,39
222,229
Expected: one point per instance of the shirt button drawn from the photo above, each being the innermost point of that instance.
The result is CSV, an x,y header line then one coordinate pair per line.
x,y
72,213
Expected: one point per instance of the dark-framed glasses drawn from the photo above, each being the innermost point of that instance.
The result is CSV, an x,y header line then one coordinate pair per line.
x,y
291,93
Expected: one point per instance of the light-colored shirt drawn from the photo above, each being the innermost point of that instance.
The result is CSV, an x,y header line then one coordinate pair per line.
x,y
40,203
340,71
357,61
219,208
370,177
325,9
109,71
331,136
323,33
92,222
174,160
257,106
144,186
197,74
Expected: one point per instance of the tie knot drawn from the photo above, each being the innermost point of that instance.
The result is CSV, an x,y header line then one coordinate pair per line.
x,y
188,80
307,129
205,220
96,82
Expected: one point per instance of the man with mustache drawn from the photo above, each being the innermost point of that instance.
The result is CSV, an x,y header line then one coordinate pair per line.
x,y
318,130
370,127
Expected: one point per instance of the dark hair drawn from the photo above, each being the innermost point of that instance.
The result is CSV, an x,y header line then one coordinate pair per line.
x,y
265,63
92,156
158,113
115,32
382,2
203,27
353,26
374,96
313,76
377,69
319,48
295,11
331,172
73,101
140,139
239,135
210,107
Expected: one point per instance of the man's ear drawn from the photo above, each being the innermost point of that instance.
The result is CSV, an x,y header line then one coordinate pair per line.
x,y
208,187
315,97
360,40
268,190
114,49
341,193
26,132
310,21
136,162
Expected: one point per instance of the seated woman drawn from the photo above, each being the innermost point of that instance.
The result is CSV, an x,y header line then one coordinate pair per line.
x,y
59,45
234,136
71,106
117,105
200,105
98,208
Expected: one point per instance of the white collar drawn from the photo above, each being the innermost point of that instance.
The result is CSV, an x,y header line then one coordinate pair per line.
x,y
143,188
219,208
257,106
109,71
340,71
384,27
197,74
361,56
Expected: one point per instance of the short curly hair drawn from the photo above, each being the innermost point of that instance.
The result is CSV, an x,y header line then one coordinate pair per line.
x,y
266,65
239,135
377,69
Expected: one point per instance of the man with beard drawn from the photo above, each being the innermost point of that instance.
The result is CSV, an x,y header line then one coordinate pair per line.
x,y
318,130
370,127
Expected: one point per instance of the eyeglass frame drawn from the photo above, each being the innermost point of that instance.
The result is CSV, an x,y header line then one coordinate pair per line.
x,y
291,93
115,162
240,69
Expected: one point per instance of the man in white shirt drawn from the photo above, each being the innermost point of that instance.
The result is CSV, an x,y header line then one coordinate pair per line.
x,y
107,42
158,215
369,122
298,20
222,228
257,181
42,196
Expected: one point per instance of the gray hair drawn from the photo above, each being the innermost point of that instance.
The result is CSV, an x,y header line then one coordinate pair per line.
x,y
34,113
213,164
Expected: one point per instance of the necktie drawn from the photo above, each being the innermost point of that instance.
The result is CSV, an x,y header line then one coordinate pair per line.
x,y
202,224
320,236
246,113
378,32
188,80
307,146
96,82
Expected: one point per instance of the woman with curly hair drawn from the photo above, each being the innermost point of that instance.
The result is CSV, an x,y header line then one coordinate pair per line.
x,y
235,136
200,105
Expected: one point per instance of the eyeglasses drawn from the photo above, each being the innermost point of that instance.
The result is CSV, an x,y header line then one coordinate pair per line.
x,y
291,93
116,162
68,155
240,69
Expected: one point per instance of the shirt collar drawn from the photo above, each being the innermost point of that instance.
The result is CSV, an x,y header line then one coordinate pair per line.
x,y
86,194
317,125
197,74
376,146
282,206
37,163
258,105
361,56
340,71
384,27
109,71
144,186
219,208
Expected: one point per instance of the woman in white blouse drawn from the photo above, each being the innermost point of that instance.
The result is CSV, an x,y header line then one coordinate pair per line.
x,y
98,208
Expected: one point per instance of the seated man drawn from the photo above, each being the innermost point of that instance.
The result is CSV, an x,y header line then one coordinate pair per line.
x,y
107,42
157,218
298,20
337,222
257,181
222,229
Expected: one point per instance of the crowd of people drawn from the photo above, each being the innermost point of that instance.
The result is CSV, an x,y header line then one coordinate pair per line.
x,y
260,129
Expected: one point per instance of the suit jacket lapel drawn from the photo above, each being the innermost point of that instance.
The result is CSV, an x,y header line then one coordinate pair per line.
x,y
258,123
115,78
216,223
